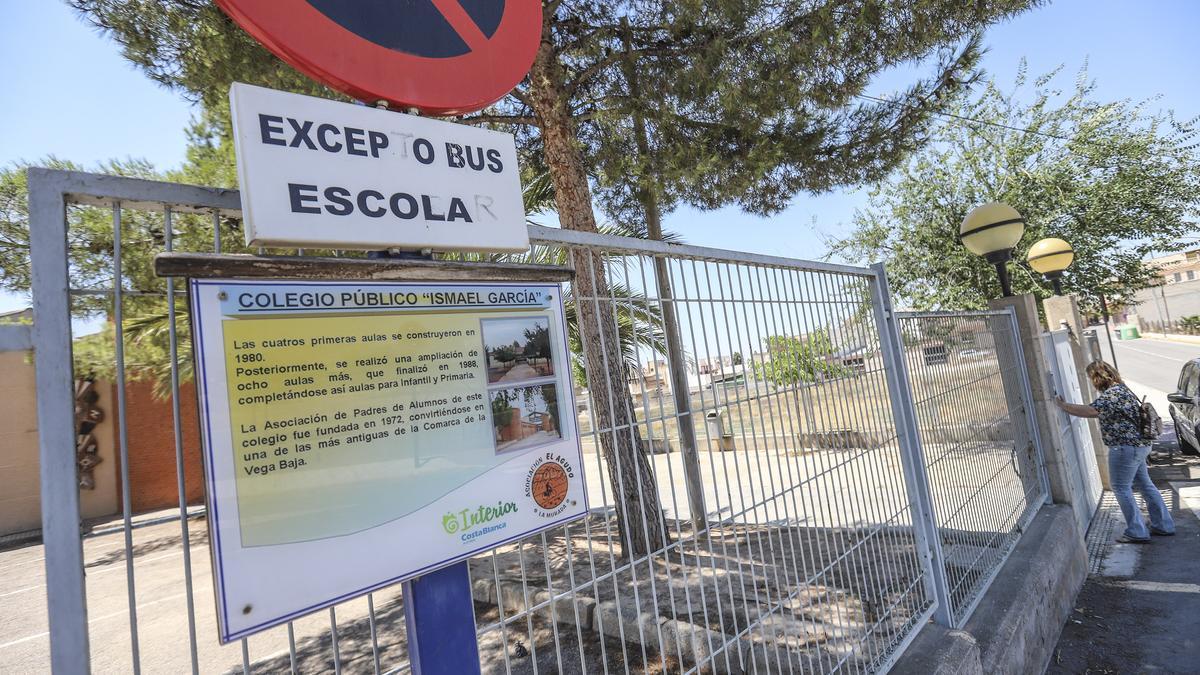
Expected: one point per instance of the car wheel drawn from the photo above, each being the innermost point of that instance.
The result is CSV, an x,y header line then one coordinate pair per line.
x,y
1184,446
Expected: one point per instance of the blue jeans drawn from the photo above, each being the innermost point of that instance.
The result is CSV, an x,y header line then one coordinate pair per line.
x,y
1127,470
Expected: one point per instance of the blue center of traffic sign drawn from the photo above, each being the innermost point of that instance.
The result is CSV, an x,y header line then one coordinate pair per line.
x,y
435,29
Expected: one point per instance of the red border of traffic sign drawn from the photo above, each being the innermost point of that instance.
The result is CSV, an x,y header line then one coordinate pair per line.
x,y
318,47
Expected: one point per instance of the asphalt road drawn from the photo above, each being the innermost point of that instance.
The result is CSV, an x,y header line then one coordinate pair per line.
x,y
1153,363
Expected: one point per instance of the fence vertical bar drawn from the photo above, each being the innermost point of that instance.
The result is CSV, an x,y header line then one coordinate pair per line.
x,y
177,425
912,457
123,435
66,599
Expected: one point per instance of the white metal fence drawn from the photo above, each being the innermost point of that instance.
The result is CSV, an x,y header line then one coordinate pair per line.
x,y
967,373
805,526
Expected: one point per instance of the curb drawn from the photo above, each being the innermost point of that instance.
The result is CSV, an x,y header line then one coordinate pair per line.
x,y
1171,337
702,647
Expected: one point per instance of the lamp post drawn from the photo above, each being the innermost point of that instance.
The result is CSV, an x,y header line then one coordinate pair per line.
x,y
992,230
1050,257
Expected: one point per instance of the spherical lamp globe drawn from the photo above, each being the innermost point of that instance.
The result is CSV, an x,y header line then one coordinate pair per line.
x,y
1050,257
992,230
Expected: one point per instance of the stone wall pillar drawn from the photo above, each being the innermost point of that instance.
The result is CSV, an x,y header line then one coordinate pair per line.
x,y
1054,448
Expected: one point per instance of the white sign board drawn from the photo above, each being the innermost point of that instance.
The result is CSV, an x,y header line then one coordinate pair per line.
x,y
322,174
356,434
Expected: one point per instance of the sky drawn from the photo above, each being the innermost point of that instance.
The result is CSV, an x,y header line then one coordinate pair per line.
x,y
68,92
499,332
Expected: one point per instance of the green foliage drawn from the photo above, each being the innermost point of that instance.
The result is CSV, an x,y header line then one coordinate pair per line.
x,y
503,353
743,101
639,320
747,101
1190,324
537,342
1112,178
501,409
91,244
791,360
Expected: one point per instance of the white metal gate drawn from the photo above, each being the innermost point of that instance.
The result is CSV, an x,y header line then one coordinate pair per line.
x,y
980,441
1084,474
817,549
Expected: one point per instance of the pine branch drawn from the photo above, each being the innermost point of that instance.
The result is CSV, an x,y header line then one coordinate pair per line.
x,y
500,119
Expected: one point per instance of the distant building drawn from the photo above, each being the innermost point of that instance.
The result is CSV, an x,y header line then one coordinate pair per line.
x,y
1177,267
854,358
1164,304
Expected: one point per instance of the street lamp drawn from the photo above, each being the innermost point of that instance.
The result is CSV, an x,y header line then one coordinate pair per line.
x,y
1050,257
992,230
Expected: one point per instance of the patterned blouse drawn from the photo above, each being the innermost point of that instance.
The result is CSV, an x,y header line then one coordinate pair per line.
x,y
1120,415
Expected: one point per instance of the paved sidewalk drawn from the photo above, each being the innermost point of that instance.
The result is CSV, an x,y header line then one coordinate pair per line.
x,y
1137,612
1173,337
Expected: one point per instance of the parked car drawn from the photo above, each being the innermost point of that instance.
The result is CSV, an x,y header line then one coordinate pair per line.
x,y
1185,408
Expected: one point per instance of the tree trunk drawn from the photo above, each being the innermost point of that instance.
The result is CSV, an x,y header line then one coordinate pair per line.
x,y
676,363
634,490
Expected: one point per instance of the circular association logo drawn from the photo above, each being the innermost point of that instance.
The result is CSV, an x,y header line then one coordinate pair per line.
x,y
549,485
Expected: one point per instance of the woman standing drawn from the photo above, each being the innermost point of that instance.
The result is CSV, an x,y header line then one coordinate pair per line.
x,y
1119,412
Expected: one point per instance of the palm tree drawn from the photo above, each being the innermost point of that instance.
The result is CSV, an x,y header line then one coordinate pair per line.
x,y
639,321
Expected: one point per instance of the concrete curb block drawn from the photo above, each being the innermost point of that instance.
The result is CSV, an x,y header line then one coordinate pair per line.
x,y
941,651
1173,337
695,644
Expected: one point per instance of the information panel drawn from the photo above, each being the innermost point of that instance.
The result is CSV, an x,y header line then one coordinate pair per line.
x,y
357,434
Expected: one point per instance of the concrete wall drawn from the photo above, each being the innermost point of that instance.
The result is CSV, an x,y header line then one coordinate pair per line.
x,y
1058,455
20,497
1065,308
1182,299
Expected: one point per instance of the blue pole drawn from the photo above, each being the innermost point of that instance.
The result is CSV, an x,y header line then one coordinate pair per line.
x,y
439,613
440,616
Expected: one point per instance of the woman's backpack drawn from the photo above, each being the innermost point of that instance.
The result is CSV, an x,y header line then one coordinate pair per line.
x,y
1149,422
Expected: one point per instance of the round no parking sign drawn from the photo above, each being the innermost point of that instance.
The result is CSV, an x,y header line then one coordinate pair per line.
x,y
439,56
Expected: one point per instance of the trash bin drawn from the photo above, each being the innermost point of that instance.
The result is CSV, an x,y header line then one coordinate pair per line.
x,y
1129,333
715,421
716,424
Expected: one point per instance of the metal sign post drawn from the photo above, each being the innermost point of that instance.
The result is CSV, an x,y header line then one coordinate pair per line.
x,y
438,58
439,617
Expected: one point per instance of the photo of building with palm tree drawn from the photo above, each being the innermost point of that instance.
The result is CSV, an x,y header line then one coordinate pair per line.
x,y
525,417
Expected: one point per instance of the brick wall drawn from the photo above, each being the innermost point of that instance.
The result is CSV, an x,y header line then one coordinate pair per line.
x,y
151,442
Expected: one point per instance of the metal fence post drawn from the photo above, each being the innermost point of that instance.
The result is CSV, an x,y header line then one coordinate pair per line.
x,y
912,457
66,600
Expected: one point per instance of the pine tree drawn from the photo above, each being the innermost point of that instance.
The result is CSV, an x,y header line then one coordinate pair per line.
x,y
735,101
